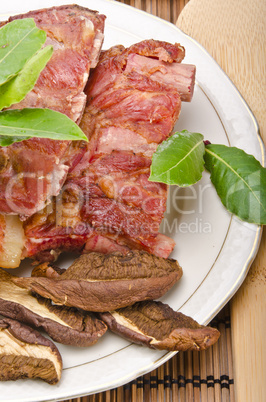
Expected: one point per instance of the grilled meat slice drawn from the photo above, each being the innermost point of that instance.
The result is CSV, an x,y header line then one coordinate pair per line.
x,y
33,171
130,110
76,34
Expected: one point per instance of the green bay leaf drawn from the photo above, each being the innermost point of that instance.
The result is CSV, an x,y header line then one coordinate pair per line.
x,y
14,90
179,159
5,140
239,180
35,122
19,41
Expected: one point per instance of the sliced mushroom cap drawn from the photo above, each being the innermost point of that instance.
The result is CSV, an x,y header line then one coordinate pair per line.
x,y
25,353
64,324
157,326
103,282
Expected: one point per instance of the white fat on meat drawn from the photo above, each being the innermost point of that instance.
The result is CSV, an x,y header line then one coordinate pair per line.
x,y
13,242
78,104
122,139
56,179
97,45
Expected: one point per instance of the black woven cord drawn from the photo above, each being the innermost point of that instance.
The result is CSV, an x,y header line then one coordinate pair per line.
x,y
181,381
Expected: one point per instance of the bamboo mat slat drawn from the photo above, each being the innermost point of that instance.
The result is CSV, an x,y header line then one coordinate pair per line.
x,y
165,9
205,376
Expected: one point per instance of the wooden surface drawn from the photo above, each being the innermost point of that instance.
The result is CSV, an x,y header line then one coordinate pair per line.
x,y
238,43
233,32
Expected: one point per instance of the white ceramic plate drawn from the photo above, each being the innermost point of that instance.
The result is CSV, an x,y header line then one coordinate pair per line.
x,y
214,248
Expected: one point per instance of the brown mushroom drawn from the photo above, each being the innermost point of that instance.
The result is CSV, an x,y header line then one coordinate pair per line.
x,y
25,353
64,324
157,326
103,282
47,270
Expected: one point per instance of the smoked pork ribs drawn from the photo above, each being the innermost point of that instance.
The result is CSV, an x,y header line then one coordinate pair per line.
x,y
34,170
107,203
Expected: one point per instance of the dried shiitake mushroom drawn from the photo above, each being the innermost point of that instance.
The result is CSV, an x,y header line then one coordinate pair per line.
x,y
102,282
25,353
157,326
63,324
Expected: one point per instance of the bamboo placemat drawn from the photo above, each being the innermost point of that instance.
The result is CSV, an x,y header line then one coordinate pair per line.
x,y
205,376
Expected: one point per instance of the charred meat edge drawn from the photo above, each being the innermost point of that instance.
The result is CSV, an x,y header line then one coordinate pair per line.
x,y
102,282
65,325
25,353
157,326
